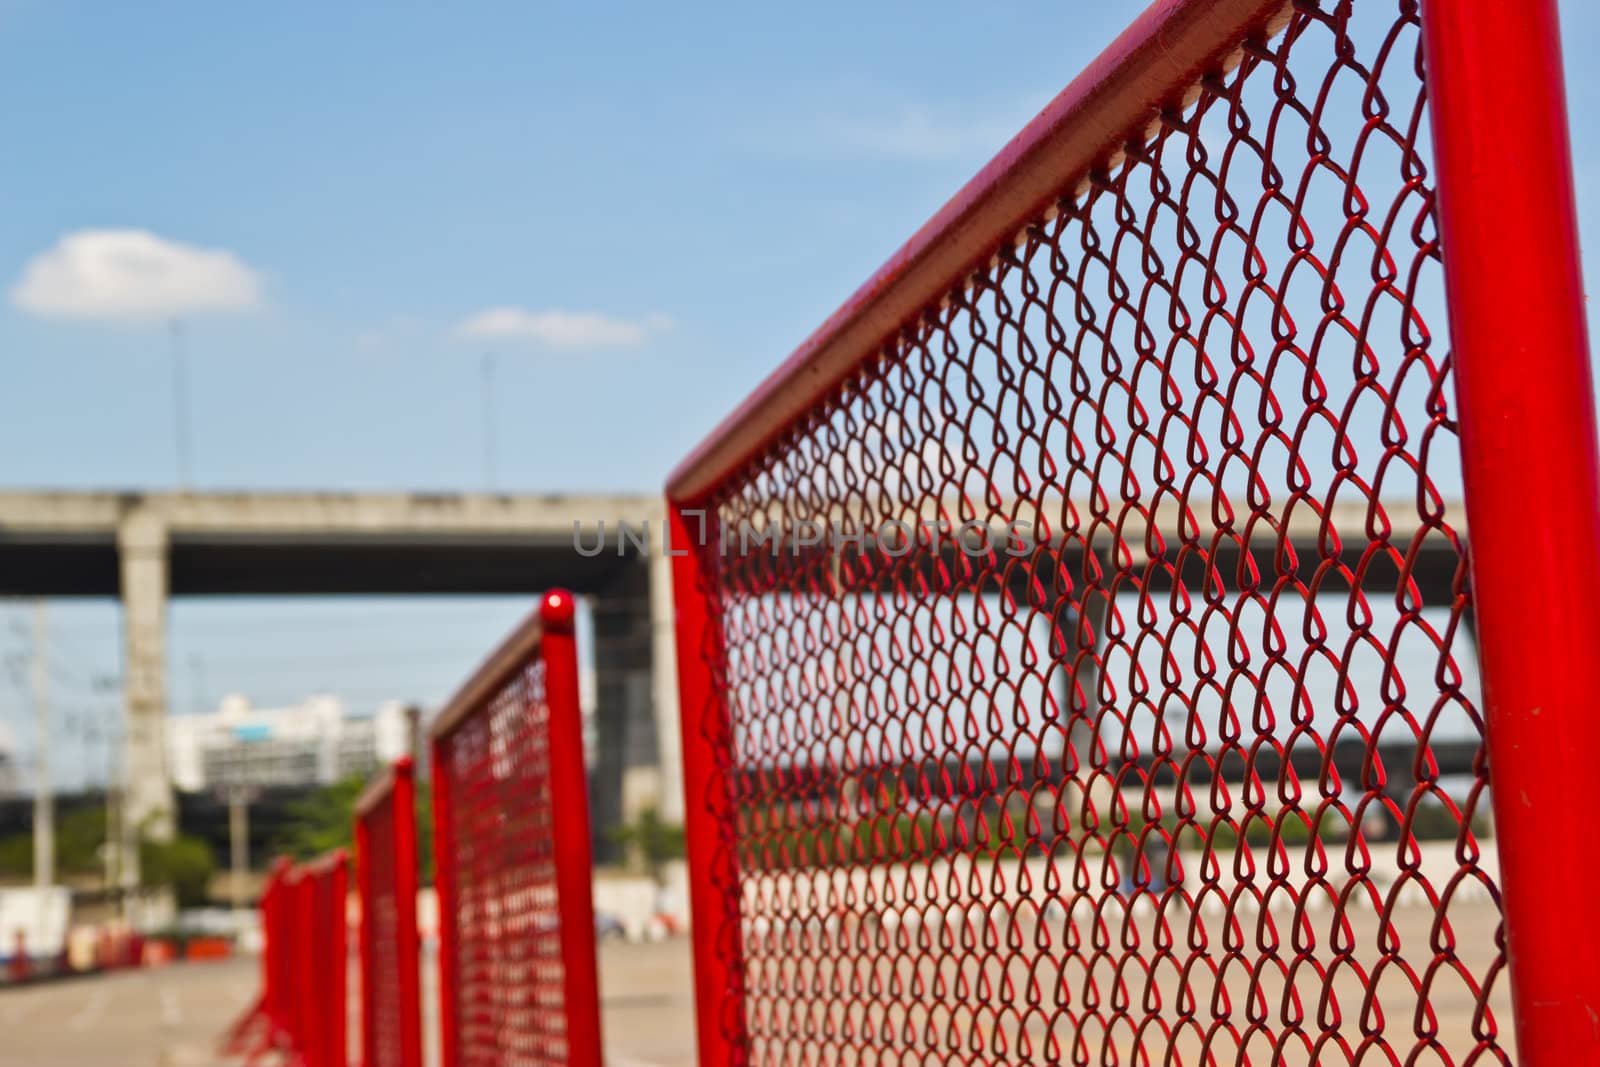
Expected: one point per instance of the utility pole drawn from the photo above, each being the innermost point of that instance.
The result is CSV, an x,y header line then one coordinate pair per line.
x,y
114,838
44,814
111,850
239,844
113,845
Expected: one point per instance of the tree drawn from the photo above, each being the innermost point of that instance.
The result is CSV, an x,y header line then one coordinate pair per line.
x,y
183,864
651,842
80,836
16,856
324,819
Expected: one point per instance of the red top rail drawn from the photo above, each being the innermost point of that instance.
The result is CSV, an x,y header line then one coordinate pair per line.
x,y
382,786
502,664
1156,63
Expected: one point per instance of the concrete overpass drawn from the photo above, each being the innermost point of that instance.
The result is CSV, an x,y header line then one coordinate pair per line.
x,y
146,547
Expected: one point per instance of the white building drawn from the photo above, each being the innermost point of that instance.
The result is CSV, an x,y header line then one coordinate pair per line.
x,y
314,742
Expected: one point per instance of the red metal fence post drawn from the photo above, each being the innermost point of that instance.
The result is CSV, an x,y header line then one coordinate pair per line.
x,y
276,909
386,870
303,977
569,794
714,918
316,961
365,937
445,895
1515,293
257,1030
336,961
407,881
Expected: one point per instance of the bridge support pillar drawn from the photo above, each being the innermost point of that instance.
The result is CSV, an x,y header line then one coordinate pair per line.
x,y
664,685
147,808
626,776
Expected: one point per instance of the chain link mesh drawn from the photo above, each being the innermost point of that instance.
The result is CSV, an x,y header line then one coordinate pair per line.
x,y
509,996
277,956
309,902
380,935
1129,713
389,940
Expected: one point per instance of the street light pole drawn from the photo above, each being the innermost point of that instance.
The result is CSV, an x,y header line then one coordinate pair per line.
x,y
239,845
44,803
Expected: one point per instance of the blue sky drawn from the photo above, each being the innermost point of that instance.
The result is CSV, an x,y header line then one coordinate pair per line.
x,y
639,210
729,175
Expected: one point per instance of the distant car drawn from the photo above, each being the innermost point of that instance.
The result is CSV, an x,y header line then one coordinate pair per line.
x,y
609,926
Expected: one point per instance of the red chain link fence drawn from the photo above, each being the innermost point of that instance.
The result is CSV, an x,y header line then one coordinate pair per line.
x,y
1077,641
263,1026
512,857
317,900
302,1009
386,879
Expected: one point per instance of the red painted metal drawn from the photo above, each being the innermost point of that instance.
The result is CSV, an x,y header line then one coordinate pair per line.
x,y
444,851
279,949
386,868
714,919
1196,774
261,1028
1508,226
304,974
301,1012
374,988
323,960
336,917
513,856
1153,64
569,827
334,921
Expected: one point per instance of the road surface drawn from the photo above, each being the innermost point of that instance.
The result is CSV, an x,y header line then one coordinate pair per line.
x,y
172,1016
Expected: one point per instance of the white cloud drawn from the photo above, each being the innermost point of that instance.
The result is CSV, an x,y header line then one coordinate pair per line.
x,y
913,134
873,127
561,329
133,274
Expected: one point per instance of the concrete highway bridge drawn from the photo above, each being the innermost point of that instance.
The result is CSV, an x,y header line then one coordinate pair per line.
x,y
147,547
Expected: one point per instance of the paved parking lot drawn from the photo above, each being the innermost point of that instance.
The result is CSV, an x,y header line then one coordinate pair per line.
x,y
648,1004
646,1010
161,1017
172,1016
